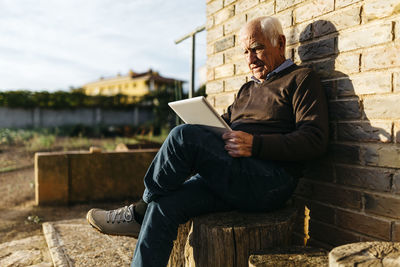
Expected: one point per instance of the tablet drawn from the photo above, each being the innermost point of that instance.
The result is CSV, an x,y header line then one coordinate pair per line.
x,y
198,110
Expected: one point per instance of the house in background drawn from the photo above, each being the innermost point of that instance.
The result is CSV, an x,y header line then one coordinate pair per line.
x,y
134,85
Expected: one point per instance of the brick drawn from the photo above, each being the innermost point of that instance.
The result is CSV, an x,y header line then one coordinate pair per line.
x,y
330,88
396,183
210,23
331,234
215,33
368,178
312,9
324,68
343,3
234,84
214,6
226,70
233,54
396,132
345,109
348,63
385,205
209,50
281,5
331,194
227,42
210,74
262,9
379,9
397,29
382,155
365,36
224,100
234,24
224,14
242,6
215,60
371,131
241,67
337,21
228,2
365,83
301,32
316,49
382,107
396,232
345,153
396,81
363,224
214,87
285,17
381,57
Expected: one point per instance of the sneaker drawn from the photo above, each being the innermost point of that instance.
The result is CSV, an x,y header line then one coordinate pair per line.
x,y
114,222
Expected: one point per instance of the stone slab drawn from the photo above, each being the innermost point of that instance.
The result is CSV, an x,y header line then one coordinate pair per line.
x,y
30,251
366,254
76,243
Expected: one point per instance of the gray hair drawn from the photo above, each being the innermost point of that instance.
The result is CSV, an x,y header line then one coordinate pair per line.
x,y
271,28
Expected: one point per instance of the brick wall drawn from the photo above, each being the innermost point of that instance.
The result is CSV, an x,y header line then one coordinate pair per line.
x,y
354,191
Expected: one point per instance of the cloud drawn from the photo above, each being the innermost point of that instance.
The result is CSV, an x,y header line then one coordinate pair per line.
x,y
47,44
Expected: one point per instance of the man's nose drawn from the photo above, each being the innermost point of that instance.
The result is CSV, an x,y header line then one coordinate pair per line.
x,y
251,57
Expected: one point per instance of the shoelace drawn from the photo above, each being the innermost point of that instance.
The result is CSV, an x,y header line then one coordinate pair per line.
x,y
124,214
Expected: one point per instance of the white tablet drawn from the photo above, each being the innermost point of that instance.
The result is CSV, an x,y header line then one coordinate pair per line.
x,y
198,110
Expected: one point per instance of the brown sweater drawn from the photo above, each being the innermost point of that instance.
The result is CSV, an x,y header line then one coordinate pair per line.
x,y
287,115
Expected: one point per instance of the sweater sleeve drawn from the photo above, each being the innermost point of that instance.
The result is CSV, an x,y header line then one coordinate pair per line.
x,y
310,137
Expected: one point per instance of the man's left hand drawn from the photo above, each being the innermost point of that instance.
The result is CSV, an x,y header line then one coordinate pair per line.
x,y
238,143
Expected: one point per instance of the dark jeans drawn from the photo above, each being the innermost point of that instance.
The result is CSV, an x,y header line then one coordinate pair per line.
x,y
218,183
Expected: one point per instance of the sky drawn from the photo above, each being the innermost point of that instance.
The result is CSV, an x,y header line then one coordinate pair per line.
x,y
58,44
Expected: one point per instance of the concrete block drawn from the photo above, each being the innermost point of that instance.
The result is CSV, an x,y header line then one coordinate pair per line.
x,y
262,9
281,5
382,107
382,155
224,14
343,3
214,87
241,67
215,60
285,17
312,9
366,36
234,83
242,6
51,178
226,70
365,131
224,100
234,24
214,6
381,57
378,9
64,178
227,42
384,205
214,34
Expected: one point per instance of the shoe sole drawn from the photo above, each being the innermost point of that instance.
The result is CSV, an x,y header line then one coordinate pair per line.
x,y
100,231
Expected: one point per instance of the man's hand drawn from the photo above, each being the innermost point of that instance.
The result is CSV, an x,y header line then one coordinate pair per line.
x,y
238,143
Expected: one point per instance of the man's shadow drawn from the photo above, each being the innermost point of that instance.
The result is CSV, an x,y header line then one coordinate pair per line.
x,y
349,129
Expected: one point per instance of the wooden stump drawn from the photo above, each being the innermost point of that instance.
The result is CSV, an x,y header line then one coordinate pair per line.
x,y
297,256
228,239
366,254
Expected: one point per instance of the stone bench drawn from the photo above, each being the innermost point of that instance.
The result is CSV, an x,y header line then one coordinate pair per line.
x,y
229,238
366,254
298,256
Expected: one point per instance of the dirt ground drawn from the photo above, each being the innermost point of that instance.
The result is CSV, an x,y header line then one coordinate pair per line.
x,y
19,217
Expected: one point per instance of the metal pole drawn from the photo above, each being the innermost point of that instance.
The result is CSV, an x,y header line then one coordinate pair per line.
x,y
193,65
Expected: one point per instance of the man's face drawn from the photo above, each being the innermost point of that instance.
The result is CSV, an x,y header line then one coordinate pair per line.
x,y
261,56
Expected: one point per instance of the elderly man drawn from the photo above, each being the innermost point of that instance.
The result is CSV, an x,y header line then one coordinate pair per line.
x,y
279,119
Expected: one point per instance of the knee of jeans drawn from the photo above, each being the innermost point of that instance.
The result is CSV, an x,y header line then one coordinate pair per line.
x,y
183,130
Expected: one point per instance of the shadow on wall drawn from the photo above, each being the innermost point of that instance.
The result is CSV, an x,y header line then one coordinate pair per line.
x,y
321,188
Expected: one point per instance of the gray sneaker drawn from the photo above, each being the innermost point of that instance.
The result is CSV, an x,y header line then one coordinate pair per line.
x,y
114,222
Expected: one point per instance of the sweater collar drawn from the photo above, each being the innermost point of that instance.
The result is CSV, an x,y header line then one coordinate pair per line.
x,y
286,64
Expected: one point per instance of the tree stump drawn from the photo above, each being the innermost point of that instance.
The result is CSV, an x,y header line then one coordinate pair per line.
x,y
297,256
228,238
366,254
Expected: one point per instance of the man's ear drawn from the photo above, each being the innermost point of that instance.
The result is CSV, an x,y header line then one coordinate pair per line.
x,y
282,42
